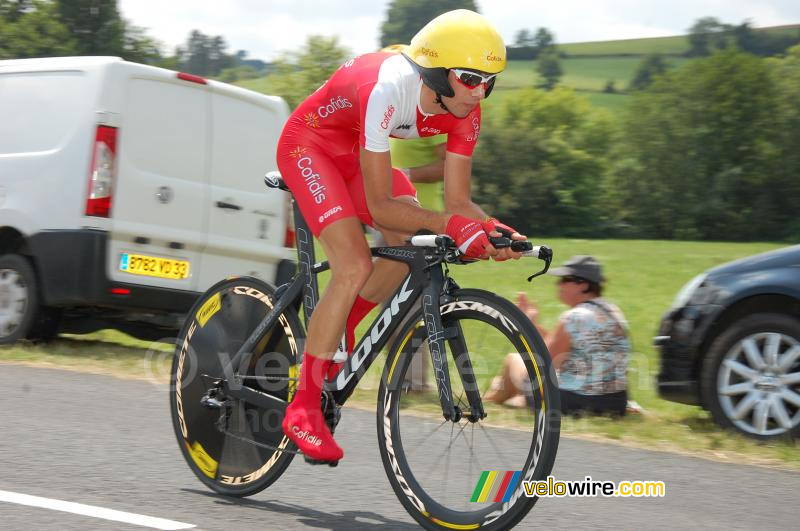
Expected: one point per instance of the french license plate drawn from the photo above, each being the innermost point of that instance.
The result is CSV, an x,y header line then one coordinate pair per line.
x,y
153,266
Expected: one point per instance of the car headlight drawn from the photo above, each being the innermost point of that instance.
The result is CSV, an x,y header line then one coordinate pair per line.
x,y
686,292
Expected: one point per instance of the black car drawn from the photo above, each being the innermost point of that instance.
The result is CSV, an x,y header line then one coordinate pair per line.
x,y
731,343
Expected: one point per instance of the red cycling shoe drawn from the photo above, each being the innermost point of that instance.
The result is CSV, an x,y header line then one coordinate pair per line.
x,y
307,429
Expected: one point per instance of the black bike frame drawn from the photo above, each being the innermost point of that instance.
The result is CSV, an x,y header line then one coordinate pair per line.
x,y
426,279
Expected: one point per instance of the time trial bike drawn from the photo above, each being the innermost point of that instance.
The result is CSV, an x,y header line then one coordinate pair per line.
x,y
454,460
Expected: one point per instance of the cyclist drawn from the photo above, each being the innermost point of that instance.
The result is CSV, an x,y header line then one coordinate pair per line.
x,y
334,156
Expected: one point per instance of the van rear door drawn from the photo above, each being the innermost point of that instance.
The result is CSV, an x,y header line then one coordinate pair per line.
x,y
158,219
247,220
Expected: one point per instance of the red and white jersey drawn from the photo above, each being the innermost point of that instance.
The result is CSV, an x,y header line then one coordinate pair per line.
x,y
367,100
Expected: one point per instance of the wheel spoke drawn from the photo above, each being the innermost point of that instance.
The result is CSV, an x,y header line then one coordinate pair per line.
x,y
790,396
737,389
771,347
491,440
452,440
747,403
780,413
761,416
752,353
788,358
790,379
423,441
741,369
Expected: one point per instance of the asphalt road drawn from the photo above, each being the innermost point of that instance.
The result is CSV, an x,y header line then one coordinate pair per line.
x,y
108,443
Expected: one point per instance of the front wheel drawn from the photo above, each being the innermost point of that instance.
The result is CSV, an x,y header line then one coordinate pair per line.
x,y
227,446
468,474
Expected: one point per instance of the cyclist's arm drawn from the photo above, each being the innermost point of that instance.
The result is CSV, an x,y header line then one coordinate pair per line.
x,y
457,191
458,196
387,211
433,172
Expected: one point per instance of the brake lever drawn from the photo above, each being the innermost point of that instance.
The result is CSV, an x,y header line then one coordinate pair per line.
x,y
544,253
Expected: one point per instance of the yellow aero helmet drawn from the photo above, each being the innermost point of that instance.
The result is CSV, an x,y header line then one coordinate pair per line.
x,y
395,48
459,39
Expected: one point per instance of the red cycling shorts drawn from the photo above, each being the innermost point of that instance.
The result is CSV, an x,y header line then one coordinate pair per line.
x,y
329,188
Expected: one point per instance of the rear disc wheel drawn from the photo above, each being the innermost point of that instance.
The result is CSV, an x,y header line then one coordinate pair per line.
x,y
218,443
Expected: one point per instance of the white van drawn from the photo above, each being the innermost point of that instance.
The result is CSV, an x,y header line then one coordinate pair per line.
x,y
127,190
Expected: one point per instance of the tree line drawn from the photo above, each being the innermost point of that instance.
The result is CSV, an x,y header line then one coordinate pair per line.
x,y
709,34
52,28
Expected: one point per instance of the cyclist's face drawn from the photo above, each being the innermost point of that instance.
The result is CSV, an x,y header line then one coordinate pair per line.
x,y
465,98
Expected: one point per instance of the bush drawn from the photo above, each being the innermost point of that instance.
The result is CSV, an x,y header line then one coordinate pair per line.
x,y
541,162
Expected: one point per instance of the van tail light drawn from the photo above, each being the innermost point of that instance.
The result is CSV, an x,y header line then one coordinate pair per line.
x,y
288,239
191,78
101,172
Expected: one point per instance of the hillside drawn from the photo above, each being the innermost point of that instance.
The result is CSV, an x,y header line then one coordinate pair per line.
x,y
674,45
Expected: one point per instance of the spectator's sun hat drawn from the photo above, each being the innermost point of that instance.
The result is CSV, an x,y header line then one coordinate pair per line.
x,y
582,266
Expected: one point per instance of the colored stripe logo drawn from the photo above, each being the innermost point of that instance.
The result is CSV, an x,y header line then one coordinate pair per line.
x,y
494,486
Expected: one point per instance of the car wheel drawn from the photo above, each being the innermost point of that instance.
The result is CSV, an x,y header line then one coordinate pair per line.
x,y
18,298
751,376
46,325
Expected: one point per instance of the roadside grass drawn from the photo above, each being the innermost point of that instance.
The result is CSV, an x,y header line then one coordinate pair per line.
x,y
103,352
644,277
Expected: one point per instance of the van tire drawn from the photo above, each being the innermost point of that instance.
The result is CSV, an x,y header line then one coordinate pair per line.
x,y
46,324
19,298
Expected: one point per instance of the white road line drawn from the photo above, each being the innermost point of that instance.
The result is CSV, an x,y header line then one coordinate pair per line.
x,y
91,510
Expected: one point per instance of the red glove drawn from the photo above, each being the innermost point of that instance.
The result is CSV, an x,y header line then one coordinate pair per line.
x,y
469,236
492,224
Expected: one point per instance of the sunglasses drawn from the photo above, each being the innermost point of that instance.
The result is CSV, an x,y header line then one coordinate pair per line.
x,y
472,79
571,279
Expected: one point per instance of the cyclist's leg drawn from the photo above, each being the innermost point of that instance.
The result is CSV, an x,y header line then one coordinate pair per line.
x,y
387,274
323,198
351,266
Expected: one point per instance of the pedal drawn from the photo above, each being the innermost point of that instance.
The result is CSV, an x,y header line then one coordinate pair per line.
x,y
331,410
310,461
210,401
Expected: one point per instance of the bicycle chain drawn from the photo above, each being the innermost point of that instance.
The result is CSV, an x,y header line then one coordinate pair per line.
x,y
262,445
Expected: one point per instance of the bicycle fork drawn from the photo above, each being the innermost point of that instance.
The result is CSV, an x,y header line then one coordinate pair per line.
x,y
437,334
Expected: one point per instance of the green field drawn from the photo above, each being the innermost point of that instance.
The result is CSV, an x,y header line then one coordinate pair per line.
x,y
644,277
673,45
588,76
582,73
664,45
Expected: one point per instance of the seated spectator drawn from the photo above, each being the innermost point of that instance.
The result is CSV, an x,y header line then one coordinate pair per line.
x,y
589,346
